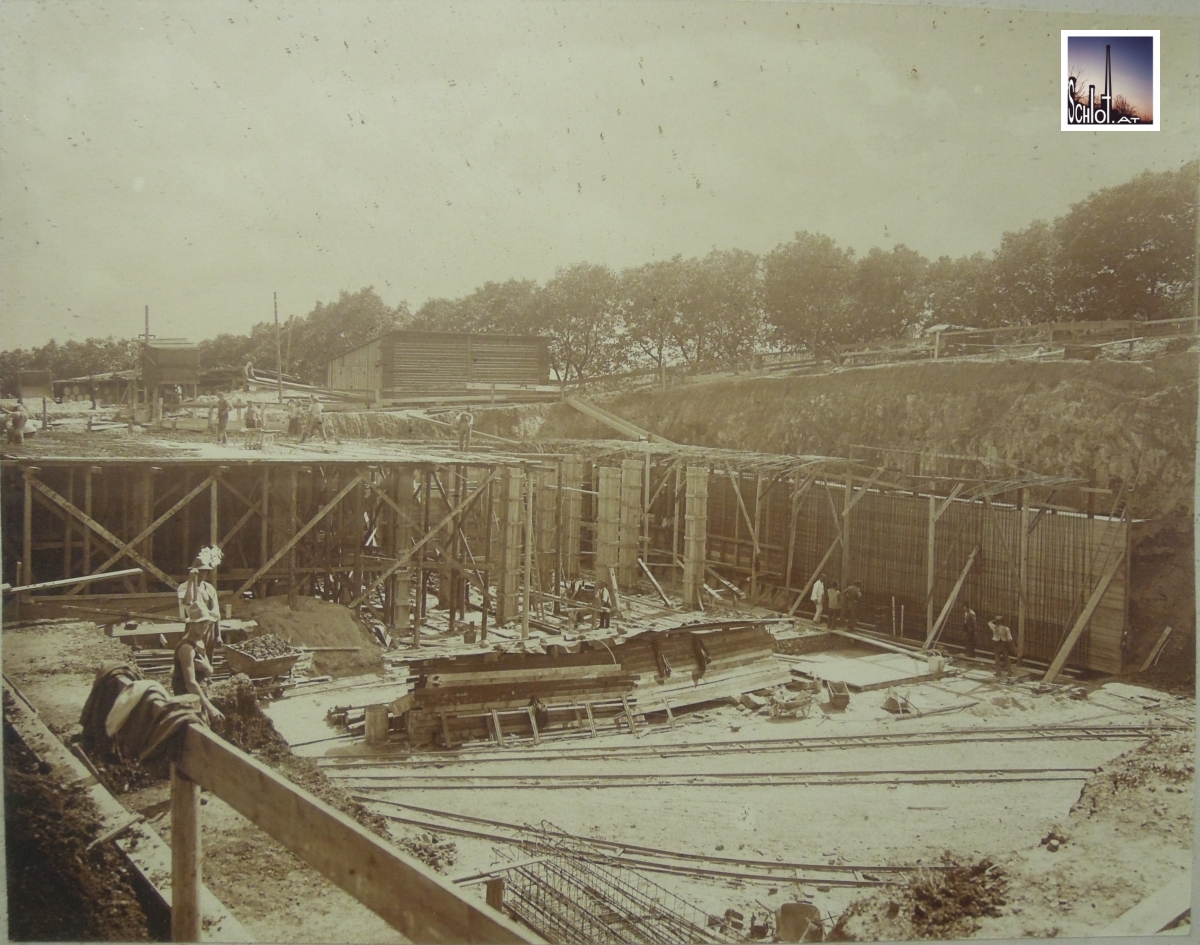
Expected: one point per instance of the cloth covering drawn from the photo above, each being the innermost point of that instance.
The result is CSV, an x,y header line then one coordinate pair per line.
x,y
141,727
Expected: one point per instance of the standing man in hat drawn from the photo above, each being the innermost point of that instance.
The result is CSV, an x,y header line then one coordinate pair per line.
x,y
223,410
200,609
818,597
316,420
1001,642
970,625
466,421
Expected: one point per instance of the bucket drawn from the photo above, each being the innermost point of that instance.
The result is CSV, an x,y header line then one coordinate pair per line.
x,y
229,611
377,724
936,663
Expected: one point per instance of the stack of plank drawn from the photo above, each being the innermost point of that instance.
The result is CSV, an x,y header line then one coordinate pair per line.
x,y
489,695
702,663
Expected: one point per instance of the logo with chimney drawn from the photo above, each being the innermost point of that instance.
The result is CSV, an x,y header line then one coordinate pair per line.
x,y
1130,63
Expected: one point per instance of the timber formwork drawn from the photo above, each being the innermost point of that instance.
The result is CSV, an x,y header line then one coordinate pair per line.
x,y
1051,554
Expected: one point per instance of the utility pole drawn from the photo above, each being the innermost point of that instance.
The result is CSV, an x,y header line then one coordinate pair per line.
x,y
278,350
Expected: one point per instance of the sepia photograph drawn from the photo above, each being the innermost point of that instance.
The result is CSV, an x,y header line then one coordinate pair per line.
x,y
632,471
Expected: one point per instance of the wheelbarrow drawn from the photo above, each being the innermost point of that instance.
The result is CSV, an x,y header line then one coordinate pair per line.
x,y
241,662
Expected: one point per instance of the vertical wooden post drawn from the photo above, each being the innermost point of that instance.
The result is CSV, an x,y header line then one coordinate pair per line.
x,y
487,559
646,507
508,573
527,566
293,497
214,533
676,515
27,537
1023,571
185,858
69,525
846,498
87,509
422,602
572,505
358,535
186,551
608,520
630,523
791,555
264,537
146,516
448,573
695,535
930,564
756,549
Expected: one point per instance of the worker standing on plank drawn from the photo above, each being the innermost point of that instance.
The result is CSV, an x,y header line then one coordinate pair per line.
x,y
604,602
970,624
316,420
1001,641
465,422
818,598
251,416
18,418
850,601
223,410
295,419
834,595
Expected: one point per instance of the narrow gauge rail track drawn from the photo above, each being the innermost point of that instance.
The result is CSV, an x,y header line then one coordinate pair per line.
x,y
478,782
637,856
739,746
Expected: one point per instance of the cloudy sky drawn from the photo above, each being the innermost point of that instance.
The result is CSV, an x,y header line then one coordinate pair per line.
x,y
198,156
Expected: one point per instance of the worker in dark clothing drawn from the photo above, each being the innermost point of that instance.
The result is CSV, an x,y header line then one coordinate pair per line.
x,y
223,411
834,597
466,421
192,667
1001,642
604,603
18,418
970,625
851,598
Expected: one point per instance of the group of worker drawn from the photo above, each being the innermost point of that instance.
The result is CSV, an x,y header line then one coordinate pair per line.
x,y
302,421
842,604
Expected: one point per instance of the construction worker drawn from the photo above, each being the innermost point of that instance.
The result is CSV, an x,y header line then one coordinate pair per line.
x,y
818,597
970,624
851,598
834,596
465,422
295,419
316,419
223,410
18,418
200,610
604,603
251,416
1001,641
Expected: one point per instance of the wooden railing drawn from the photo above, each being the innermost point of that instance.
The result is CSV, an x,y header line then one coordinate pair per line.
x,y
406,894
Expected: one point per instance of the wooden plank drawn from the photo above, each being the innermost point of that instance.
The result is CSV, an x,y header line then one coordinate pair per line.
x,y
666,600
408,895
1152,656
958,487
99,529
1152,915
937,626
68,582
861,491
812,579
448,680
1076,631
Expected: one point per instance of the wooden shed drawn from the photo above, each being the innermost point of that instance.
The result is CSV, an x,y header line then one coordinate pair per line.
x,y
409,363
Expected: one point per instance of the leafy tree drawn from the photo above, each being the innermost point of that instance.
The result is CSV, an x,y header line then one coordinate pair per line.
x,y
328,330
728,304
654,297
1023,288
956,290
1128,251
887,293
806,290
578,310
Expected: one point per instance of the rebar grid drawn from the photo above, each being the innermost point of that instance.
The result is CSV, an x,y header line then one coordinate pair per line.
x,y
567,898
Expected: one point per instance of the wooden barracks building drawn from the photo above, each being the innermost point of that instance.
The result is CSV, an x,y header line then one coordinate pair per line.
x,y
407,364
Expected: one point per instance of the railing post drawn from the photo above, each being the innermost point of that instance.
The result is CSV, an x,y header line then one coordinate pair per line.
x,y
185,858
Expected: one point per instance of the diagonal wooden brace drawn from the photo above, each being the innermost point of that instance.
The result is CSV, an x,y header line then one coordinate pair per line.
x,y
304,530
99,529
148,530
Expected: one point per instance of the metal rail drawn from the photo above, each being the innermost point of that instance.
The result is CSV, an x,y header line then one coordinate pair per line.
x,y
626,752
730,779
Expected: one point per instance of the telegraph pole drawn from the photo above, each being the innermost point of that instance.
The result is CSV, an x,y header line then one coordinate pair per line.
x,y
278,352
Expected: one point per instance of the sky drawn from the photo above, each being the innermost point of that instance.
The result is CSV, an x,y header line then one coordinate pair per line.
x,y
1132,64
197,157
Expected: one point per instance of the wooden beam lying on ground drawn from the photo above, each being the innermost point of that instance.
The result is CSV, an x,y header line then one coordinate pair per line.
x,y
1151,916
408,895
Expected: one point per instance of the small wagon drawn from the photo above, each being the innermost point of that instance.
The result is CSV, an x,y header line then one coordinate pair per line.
x,y
241,662
839,694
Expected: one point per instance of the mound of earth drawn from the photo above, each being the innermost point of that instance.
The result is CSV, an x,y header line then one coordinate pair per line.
x,y
318,623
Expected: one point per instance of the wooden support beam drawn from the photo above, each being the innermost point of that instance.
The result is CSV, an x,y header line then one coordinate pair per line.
x,y
572,509
1023,572
408,895
847,504
941,620
425,539
185,858
1152,656
629,532
608,518
27,525
527,564
264,537
304,530
89,522
853,500
812,579
797,496
150,529
1008,556
1060,658
695,535
737,491
658,587
68,582
754,560
930,564
958,487
88,491
68,556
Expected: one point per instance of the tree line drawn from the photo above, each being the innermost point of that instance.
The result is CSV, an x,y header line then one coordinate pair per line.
x,y
1123,252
